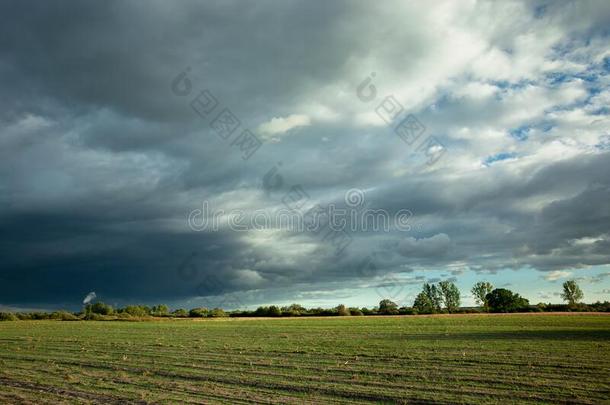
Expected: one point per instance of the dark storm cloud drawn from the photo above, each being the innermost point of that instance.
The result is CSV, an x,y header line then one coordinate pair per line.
x,y
122,55
100,163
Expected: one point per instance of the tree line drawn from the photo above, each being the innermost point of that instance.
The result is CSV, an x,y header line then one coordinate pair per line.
x,y
442,297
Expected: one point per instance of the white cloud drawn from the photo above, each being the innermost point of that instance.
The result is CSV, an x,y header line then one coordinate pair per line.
x,y
557,274
281,125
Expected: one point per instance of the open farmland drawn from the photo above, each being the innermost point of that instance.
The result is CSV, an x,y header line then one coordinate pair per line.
x,y
441,359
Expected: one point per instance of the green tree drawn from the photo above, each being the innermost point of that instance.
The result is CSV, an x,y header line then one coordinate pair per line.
x,y
160,310
503,300
435,296
388,307
480,291
261,311
274,311
342,310
571,292
450,294
423,304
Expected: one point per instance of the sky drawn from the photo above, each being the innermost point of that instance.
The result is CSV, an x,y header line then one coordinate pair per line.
x,y
480,129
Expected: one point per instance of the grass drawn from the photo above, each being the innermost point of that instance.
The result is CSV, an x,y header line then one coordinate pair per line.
x,y
452,359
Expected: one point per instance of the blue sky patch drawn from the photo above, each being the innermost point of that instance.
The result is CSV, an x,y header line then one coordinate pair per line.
x,y
521,133
499,157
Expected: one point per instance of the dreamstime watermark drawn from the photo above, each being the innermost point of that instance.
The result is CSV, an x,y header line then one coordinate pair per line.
x,y
297,200
314,219
406,126
225,124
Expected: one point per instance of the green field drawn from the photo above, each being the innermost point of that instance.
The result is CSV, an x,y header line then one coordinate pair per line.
x,y
445,359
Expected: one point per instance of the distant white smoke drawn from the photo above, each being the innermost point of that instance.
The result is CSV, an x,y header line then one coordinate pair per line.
x,y
91,296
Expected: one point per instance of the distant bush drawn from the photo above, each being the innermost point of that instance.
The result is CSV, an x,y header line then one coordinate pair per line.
x,y
159,310
407,311
601,306
470,310
367,311
217,313
39,315
180,313
499,300
99,308
198,313
136,310
8,316
64,316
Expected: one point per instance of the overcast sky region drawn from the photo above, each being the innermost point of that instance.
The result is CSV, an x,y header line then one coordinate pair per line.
x,y
488,122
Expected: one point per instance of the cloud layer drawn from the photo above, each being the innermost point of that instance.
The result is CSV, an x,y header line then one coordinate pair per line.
x,y
101,162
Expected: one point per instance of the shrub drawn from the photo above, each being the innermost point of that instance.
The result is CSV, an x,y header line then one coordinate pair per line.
x,y
407,311
180,313
355,312
217,313
600,306
198,312
160,310
136,310
39,315
100,308
64,316
367,311
95,317
470,310
8,316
